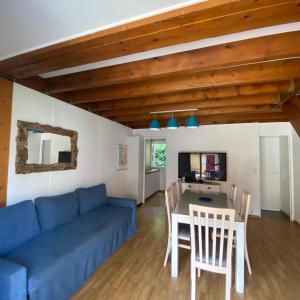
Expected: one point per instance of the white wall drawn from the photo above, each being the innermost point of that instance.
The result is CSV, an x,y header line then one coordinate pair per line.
x,y
275,129
152,183
135,168
285,129
112,134
97,144
162,171
239,141
296,172
98,139
285,193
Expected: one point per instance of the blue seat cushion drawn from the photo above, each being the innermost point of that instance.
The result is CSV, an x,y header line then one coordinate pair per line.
x,y
18,225
56,210
91,198
62,259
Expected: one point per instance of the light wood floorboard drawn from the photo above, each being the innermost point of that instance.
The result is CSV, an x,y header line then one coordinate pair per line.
x,y
136,270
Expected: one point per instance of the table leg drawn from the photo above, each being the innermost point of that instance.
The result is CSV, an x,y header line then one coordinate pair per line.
x,y
174,250
240,259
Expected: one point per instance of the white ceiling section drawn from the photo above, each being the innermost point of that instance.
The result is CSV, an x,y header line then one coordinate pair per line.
x,y
26,25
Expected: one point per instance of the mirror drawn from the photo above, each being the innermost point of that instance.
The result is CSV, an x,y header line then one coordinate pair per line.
x,y
45,148
48,148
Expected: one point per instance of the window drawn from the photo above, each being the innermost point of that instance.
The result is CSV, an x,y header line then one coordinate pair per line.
x,y
158,155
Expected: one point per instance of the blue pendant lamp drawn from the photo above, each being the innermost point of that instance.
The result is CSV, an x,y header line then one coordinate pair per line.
x,y
172,123
154,125
191,122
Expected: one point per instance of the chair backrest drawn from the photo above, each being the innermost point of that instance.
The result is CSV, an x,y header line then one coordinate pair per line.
x,y
213,254
245,206
175,193
179,188
233,193
170,205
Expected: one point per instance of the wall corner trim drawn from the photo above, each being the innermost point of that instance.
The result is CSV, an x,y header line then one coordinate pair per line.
x,y
6,92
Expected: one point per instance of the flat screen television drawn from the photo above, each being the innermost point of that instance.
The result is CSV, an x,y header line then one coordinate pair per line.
x,y
202,166
64,156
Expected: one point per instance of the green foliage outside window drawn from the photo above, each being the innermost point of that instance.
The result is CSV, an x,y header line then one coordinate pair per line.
x,y
159,155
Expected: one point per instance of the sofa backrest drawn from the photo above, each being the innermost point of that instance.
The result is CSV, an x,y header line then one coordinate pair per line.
x,y
91,198
18,224
55,211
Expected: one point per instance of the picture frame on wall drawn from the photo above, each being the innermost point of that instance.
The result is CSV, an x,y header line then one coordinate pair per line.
x,y
122,157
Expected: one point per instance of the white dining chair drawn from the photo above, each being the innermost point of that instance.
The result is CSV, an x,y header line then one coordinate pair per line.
x,y
244,213
211,254
233,194
242,208
179,189
183,229
175,191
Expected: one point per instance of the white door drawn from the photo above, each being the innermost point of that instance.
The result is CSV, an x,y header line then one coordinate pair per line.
x,y
284,174
46,152
135,168
270,173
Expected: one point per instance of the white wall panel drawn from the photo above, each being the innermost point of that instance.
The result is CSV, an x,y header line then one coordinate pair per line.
x,y
239,141
97,144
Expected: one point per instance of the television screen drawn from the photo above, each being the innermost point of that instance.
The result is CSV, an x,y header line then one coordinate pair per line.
x,y
64,156
198,166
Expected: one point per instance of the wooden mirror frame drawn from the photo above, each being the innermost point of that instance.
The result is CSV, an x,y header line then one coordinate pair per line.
x,y
22,151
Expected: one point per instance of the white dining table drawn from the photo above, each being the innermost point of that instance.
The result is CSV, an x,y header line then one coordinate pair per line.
x,y
181,215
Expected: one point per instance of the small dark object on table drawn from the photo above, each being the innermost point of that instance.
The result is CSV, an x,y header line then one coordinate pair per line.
x,y
205,199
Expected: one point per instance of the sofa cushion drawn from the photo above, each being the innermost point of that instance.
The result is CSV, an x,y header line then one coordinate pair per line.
x,y
61,260
56,210
91,198
13,281
18,224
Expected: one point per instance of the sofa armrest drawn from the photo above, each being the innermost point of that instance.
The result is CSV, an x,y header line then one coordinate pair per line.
x,y
13,285
124,202
130,203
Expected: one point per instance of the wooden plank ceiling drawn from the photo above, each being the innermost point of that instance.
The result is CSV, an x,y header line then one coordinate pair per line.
x,y
254,80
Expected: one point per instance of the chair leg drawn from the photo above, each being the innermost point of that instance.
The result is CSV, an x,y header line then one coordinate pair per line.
x,y
199,272
193,282
247,259
228,286
167,252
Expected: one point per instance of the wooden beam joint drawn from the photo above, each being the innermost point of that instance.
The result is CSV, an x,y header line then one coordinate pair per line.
x,y
291,109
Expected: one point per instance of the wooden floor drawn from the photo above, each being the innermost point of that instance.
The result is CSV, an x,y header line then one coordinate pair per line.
x,y
136,270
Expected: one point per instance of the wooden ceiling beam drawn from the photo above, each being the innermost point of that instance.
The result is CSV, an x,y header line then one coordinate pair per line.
x,y
245,75
242,91
279,46
35,82
199,104
195,22
202,112
291,109
6,99
293,89
195,95
221,119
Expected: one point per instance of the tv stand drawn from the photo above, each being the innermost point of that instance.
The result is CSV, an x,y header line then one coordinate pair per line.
x,y
207,187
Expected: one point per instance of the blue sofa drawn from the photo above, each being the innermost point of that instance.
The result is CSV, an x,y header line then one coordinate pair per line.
x,y
48,249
